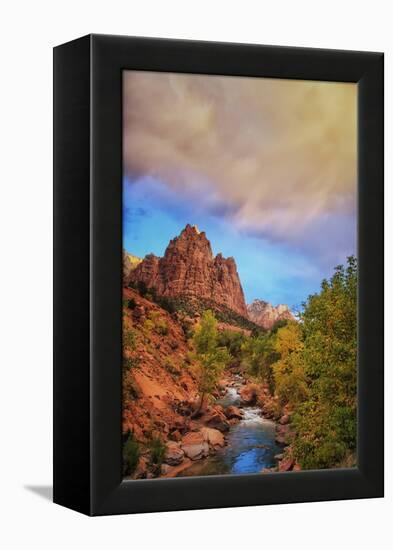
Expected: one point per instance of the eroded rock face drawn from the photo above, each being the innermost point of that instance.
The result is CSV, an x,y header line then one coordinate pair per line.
x,y
215,418
233,412
188,268
174,454
213,437
129,263
195,445
249,394
264,314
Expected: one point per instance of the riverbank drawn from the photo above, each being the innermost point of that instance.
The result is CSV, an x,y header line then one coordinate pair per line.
x,y
238,429
252,444
240,432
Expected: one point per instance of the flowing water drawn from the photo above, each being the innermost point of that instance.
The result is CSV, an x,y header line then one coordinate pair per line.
x,y
250,445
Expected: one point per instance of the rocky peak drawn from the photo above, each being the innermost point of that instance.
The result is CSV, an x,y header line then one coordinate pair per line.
x,y
129,263
266,315
189,268
191,241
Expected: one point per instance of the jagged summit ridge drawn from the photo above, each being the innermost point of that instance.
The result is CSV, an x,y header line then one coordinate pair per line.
x,y
266,315
188,268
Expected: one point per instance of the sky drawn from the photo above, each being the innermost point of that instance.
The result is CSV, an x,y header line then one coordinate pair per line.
x,y
266,167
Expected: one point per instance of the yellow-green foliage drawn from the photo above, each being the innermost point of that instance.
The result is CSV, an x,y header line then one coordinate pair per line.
x,y
211,358
311,367
157,323
290,379
162,327
325,422
148,326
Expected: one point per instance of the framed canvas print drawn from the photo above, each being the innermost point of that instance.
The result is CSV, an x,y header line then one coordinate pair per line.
x,y
218,275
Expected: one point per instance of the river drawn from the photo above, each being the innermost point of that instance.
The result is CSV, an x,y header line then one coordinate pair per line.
x,y
251,444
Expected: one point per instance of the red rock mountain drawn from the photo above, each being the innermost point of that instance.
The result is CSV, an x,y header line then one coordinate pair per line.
x,y
188,268
264,314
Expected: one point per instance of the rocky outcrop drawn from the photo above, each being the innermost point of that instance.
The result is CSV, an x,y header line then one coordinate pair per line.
x,y
157,390
214,437
129,263
174,454
188,268
195,445
283,434
264,314
233,412
249,394
215,418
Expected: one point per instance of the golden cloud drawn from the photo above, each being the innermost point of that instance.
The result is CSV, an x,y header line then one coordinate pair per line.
x,y
280,154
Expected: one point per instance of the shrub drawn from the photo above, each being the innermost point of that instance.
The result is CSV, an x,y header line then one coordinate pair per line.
x,y
153,315
158,450
171,366
148,326
130,362
131,454
129,339
162,328
131,304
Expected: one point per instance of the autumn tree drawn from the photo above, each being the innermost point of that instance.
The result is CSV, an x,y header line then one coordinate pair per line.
x,y
291,384
325,422
211,358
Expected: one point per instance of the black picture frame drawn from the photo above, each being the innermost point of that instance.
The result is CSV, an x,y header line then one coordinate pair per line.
x,y
88,274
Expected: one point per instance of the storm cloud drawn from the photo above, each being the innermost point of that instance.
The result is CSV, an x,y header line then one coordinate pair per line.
x,y
276,158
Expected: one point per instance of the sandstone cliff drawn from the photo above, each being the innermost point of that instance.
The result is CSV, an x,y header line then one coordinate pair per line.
x,y
264,314
188,268
129,263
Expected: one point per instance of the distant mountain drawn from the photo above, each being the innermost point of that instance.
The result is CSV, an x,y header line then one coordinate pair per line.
x,y
265,315
189,269
129,263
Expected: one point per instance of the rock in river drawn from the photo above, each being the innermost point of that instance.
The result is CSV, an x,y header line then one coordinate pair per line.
x,y
233,412
248,394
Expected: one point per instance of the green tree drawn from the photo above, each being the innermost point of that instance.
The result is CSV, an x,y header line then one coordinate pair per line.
x,y
326,422
233,341
291,384
211,358
259,354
